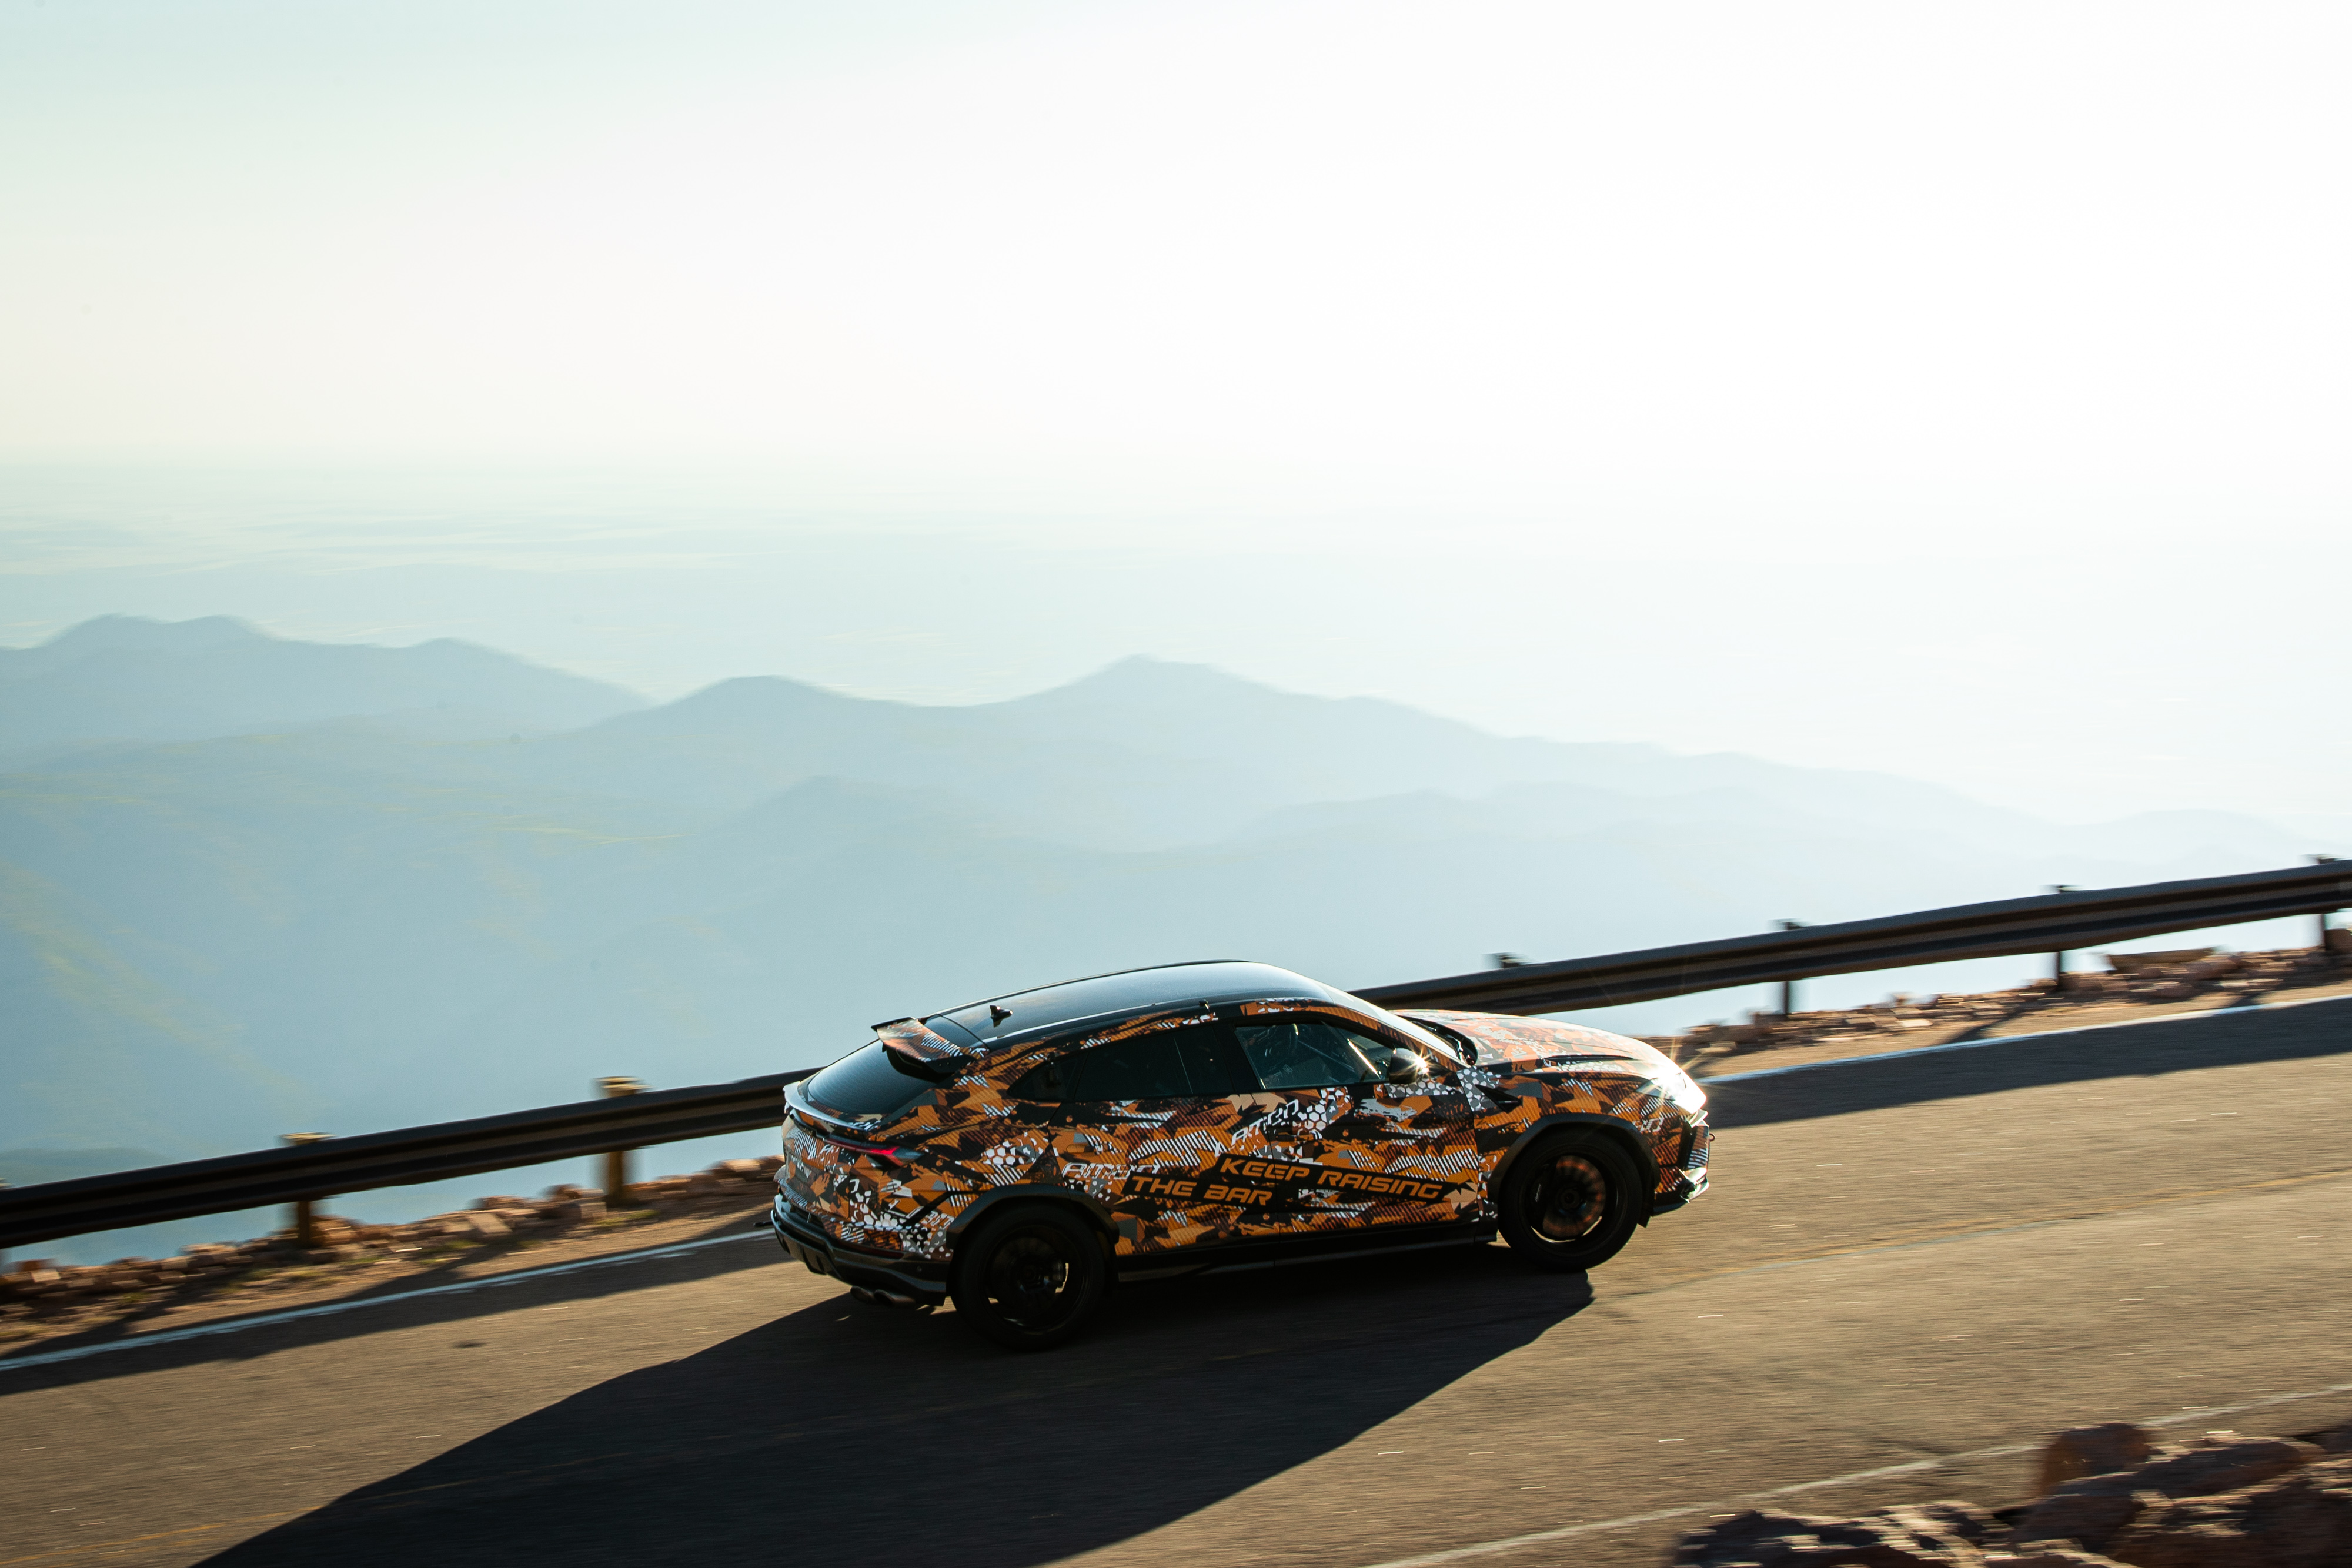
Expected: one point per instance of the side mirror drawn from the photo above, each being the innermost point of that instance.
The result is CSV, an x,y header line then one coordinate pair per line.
x,y
1405,1067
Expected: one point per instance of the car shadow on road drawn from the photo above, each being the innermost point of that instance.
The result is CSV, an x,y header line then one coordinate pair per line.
x,y
847,1434
2176,1044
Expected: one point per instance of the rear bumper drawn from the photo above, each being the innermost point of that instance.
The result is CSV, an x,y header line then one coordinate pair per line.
x,y
820,1254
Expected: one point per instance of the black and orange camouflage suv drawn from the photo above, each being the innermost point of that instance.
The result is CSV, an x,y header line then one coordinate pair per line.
x,y
1019,1154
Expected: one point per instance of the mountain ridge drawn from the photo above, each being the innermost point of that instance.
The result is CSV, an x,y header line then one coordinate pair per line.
x,y
127,679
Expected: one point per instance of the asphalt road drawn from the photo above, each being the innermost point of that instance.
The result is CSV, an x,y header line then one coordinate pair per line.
x,y
1904,1264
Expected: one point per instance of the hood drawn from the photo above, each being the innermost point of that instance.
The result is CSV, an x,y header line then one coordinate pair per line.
x,y
1529,1042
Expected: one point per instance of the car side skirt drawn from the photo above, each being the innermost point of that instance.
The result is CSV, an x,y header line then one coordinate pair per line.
x,y
1273,1252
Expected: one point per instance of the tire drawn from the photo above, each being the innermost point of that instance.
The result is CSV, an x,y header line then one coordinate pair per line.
x,y
1029,1277
1571,1201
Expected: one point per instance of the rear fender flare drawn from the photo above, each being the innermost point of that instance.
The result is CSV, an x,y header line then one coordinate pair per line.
x,y
1625,1131
1096,1215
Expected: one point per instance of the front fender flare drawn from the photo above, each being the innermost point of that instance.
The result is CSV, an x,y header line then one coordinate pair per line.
x,y
1625,1132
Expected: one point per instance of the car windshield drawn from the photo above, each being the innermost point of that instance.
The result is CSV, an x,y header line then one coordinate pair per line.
x,y
867,1085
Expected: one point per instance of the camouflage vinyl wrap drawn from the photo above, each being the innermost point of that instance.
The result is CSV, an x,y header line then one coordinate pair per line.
x,y
1178,1173
1582,1070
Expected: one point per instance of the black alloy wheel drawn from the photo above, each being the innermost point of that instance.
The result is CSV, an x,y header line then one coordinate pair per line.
x,y
1571,1201
1029,1277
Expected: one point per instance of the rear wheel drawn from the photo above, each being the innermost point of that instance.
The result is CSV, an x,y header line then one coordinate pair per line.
x,y
1029,1277
1571,1201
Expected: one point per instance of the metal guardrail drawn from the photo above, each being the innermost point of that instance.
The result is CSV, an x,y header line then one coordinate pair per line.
x,y
2051,923
395,1158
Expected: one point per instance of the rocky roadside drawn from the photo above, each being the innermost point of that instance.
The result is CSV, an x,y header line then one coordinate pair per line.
x,y
41,1302
2107,1495
2185,980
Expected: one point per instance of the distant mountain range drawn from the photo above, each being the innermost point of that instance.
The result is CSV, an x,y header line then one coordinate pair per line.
x,y
250,885
120,678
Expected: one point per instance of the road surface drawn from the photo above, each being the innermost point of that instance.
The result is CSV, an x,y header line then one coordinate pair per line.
x,y
1925,1261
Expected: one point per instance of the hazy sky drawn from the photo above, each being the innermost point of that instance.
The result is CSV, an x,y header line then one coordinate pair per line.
x,y
1957,391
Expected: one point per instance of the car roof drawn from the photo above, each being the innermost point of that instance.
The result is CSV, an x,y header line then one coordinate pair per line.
x,y
1132,990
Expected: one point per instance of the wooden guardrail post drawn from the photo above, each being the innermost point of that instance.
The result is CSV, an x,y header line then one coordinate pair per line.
x,y
617,1161
2322,860
1788,987
2058,960
306,1218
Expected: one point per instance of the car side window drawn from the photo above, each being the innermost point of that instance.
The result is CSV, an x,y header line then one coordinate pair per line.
x,y
1197,1062
1308,1053
1149,1067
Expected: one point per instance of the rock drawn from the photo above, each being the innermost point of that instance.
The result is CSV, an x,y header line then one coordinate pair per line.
x,y
1972,1524
2091,1451
739,1167
2095,1510
2223,1462
2300,1521
2090,1513
487,1224
2140,963
2050,1557
2339,1441
1891,1538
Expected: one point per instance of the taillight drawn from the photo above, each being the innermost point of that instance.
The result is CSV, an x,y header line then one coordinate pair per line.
x,y
888,1153
883,1152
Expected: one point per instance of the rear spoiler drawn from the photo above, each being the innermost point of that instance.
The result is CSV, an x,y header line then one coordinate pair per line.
x,y
919,1043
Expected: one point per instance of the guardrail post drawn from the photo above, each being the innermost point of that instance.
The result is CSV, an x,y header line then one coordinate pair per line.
x,y
1789,987
2058,959
306,1217
617,1161
2322,860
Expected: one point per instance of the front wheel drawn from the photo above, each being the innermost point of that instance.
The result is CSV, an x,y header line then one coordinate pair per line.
x,y
1571,1201
1029,1278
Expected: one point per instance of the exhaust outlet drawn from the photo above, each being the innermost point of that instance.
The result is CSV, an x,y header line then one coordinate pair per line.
x,y
868,1294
